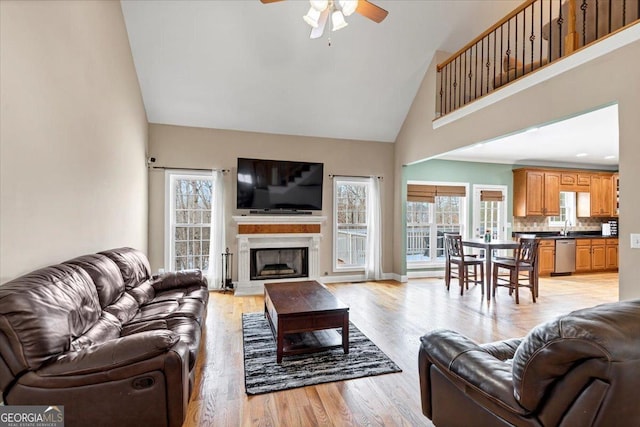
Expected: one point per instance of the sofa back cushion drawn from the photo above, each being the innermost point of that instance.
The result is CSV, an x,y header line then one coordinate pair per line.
x,y
133,264
105,275
43,311
608,332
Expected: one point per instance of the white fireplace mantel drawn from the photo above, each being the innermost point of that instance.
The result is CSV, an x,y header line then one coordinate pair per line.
x,y
286,231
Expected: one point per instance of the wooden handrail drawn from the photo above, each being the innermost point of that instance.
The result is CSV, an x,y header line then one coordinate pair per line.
x,y
491,29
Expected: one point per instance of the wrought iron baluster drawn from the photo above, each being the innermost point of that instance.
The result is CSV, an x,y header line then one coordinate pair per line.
x,y
597,17
532,37
610,17
541,24
488,64
501,50
524,38
550,51
624,12
441,92
495,45
508,52
584,7
481,67
560,21
464,96
515,50
475,79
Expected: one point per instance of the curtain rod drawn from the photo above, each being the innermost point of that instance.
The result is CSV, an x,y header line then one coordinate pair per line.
x,y
355,176
189,169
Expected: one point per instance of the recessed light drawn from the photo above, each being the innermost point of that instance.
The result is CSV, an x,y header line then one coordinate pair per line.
x,y
581,155
609,157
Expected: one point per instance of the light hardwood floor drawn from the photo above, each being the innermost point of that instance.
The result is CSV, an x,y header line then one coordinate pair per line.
x,y
392,315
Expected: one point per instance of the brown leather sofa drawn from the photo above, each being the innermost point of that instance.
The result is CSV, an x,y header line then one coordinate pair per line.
x,y
582,369
102,337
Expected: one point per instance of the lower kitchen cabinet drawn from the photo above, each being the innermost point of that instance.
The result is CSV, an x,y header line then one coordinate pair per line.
x,y
611,247
546,257
583,255
596,255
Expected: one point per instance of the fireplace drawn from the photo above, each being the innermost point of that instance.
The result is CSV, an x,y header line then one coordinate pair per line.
x,y
272,233
279,263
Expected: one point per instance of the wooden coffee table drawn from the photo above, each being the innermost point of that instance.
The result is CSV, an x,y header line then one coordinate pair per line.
x,y
304,316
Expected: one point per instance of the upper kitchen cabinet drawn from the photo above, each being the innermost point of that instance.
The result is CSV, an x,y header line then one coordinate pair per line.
x,y
602,195
615,209
536,192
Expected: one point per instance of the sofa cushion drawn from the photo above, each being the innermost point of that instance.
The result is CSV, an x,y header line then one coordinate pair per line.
x,y
44,311
124,309
187,329
105,275
196,292
143,293
105,329
133,264
608,332
190,308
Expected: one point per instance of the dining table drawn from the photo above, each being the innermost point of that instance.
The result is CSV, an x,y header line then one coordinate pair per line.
x,y
489,247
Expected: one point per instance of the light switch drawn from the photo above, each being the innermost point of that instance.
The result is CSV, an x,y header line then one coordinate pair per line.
x,y
635,241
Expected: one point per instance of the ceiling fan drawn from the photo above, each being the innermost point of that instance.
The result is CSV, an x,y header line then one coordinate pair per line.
x,y
319,12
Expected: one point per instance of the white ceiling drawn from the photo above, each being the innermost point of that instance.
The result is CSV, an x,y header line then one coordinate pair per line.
x,y
587,140
244,65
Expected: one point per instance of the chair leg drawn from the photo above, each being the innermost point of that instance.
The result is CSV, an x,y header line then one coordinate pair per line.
x,y
532,284
515,285
495,280
482,278
462,277
447,274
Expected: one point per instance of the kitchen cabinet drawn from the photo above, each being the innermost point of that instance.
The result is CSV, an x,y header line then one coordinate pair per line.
x,y
536,192
546,257
583,255
575,181
601,195
615,198
596,255
611,247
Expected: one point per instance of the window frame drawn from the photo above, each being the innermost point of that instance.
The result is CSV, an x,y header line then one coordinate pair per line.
x,y
553,222
336,181
477,188
169,230
463,223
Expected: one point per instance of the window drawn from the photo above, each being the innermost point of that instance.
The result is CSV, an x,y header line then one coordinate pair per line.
x,y
567,210
189,198
432,211
350,223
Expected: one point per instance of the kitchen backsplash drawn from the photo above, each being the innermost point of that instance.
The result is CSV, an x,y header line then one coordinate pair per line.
x,y
542,224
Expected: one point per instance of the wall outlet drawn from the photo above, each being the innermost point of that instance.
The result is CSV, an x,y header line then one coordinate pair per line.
x,y
635,241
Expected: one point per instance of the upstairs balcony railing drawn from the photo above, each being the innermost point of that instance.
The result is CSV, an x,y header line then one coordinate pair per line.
x,y
535,34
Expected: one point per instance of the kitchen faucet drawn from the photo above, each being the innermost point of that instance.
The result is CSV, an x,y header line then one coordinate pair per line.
x,y
564,229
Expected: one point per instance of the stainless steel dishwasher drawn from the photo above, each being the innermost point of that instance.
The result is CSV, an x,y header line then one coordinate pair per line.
x,y
565,256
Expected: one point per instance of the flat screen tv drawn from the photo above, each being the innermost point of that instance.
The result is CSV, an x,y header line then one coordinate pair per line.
x,y
279,185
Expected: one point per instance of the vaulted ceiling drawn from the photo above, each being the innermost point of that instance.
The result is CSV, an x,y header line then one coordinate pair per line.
x,y
244,65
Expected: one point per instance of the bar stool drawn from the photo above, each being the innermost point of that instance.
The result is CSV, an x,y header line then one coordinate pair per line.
x,y
524,262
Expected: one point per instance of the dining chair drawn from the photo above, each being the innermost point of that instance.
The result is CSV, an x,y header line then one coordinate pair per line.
x,y
455,257
522,269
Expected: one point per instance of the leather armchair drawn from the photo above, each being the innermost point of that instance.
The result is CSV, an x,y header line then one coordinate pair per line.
x,y
581,369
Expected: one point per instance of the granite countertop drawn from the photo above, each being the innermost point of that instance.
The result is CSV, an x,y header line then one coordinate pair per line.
x,y
555,235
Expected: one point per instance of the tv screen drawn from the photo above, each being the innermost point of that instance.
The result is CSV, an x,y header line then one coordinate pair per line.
x,y
279,185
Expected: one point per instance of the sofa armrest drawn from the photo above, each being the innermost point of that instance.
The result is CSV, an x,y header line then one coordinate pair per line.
x,y
502,350
111,354
178,279
474,369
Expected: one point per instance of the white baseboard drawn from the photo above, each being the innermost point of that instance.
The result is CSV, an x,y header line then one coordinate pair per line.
x,y
418,274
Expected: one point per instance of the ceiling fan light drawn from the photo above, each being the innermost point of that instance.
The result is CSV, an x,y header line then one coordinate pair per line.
x,y
348,6
337,20
319,5
312,17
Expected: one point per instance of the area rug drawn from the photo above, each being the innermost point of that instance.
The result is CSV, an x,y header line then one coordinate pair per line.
x,y
263,375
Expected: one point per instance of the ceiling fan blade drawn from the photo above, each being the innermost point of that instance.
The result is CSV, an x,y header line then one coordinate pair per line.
x,y
316,33
371,11
270,1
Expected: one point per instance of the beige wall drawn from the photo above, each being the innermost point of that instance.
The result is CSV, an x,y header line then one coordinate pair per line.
x,y
73,134
210,148
610,78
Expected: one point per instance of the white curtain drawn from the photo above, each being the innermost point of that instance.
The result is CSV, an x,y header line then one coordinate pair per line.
x,y
373,264
217,243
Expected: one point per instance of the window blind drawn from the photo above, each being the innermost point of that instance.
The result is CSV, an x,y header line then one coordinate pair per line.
x,y
491,196
428,193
